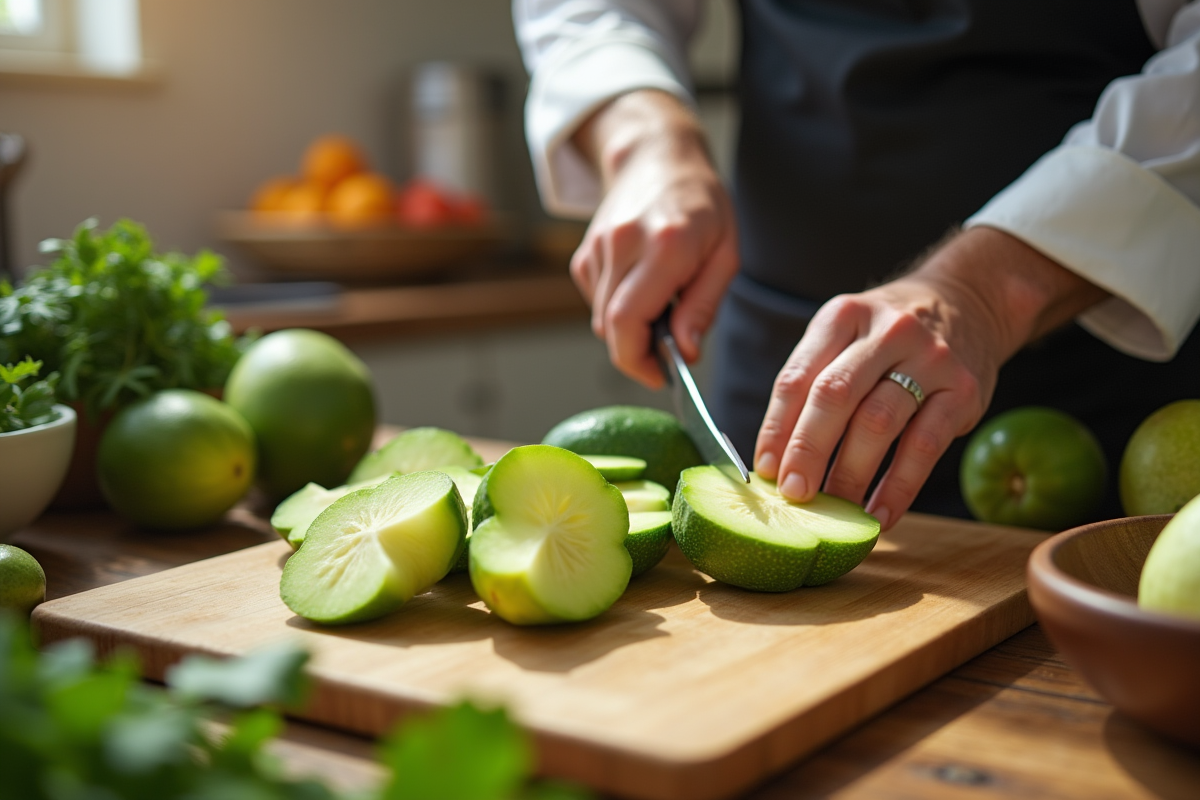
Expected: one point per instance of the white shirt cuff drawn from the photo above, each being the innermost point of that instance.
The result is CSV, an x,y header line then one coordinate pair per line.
x,y
564,93
1120,226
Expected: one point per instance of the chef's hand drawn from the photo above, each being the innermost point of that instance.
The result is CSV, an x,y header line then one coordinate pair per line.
x,y
664,228
950,325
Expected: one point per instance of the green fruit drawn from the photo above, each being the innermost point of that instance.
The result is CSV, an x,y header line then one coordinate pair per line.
x,y
310,403
292,517
748,535
1170,579
374,549
649,536
22,581
1160,468
468,483
649,539
646,433
1034,467
176,459
617,468
417,450
644,496
554,549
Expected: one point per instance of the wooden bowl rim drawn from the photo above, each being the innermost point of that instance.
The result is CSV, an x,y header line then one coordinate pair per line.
x,y
1054,580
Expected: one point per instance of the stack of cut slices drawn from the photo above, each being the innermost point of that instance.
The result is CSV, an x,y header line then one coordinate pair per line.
x,y
547,535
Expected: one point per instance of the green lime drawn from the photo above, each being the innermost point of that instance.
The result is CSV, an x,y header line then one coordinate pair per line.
x,y
1160,468
311,404
22,581
652,435
1033,466
748,535
554,548
176,459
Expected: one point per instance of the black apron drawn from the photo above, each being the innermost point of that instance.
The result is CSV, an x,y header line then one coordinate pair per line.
x,y
869,129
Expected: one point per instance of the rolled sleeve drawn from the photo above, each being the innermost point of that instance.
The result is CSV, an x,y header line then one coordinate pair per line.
x,y
1125,229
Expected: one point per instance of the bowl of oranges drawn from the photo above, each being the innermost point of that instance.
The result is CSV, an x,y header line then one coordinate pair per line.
x,y
340,220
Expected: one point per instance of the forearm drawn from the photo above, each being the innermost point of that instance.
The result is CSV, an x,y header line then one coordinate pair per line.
x,y
1019,292
645,122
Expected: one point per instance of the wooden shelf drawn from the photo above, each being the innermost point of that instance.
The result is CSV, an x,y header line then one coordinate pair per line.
x,y
363,313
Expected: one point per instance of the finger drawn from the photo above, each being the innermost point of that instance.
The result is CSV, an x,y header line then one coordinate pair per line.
x,y
928,435
699,300
834,396
878,420
585,270
829,333
620,250
639,300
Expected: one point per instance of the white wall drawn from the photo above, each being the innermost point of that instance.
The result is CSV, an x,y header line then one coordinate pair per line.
x,y
246,84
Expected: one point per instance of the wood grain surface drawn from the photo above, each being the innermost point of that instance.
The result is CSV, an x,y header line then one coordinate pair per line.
x,y
685,689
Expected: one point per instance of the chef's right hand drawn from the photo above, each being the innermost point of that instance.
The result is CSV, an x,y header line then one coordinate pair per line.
x,y
665,228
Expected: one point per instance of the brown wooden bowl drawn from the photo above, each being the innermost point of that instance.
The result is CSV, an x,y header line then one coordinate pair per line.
x,y
1083,585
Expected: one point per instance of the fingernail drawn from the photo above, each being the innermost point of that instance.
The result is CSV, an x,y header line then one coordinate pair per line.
x,y
883,515
694,339
767,465
793,486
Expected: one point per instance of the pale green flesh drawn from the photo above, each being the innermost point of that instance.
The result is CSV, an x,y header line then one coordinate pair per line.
x,y
758,511
417,450
293,516
749,536
374,549
554,551
617,468
467,482
644,496
643,522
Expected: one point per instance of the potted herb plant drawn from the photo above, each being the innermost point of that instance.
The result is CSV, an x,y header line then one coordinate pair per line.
x,y
36,440
117,321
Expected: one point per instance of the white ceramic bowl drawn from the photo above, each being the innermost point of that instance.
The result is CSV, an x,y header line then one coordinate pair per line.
x,y
33,463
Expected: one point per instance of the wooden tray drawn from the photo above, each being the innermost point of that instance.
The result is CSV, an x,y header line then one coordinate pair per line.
x,y
685,689
323,252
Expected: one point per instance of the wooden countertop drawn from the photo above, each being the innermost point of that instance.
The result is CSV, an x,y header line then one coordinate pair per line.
x,y
1015,722
366,312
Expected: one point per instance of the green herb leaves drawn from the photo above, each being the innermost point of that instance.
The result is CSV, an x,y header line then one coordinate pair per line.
x,y
116,320
71,727
25,408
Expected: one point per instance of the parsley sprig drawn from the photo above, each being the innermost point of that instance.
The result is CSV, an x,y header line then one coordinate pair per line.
x,y
74,727
22,408
117,320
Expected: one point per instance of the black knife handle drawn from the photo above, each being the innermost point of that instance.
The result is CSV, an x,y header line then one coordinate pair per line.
x,y
660,329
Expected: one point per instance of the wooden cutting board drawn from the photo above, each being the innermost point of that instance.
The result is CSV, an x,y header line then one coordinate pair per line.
x,y
686,688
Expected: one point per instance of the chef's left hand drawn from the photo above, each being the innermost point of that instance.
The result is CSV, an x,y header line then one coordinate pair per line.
x,y
950,324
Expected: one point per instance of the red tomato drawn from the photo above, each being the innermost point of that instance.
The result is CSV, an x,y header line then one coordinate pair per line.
x,y
470,209
421,204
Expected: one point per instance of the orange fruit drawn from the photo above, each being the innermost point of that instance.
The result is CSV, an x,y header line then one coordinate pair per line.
x,y
331,159
305,202
361,200
269,196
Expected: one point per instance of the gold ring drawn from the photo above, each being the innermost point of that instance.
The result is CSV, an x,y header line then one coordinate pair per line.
x,y
910,385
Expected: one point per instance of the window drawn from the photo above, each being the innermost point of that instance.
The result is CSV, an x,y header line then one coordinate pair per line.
x,y
70,37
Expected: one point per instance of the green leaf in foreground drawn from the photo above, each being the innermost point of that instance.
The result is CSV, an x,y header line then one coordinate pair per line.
x,y
72,728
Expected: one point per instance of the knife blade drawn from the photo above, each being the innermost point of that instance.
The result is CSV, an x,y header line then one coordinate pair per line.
x,y
714,446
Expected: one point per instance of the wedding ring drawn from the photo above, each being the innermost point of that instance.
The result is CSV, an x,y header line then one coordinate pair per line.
x,y
910,385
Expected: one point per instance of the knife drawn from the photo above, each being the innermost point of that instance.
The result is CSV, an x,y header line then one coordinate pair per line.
x,y
713,444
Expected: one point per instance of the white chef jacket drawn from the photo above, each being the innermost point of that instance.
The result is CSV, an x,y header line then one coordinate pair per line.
x,y
1118,202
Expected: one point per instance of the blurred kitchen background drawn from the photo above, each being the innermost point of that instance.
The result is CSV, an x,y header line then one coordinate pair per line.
x,y
172,111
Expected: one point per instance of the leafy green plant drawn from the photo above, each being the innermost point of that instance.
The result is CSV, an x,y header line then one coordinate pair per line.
x,y
22,408
116,320
72,728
